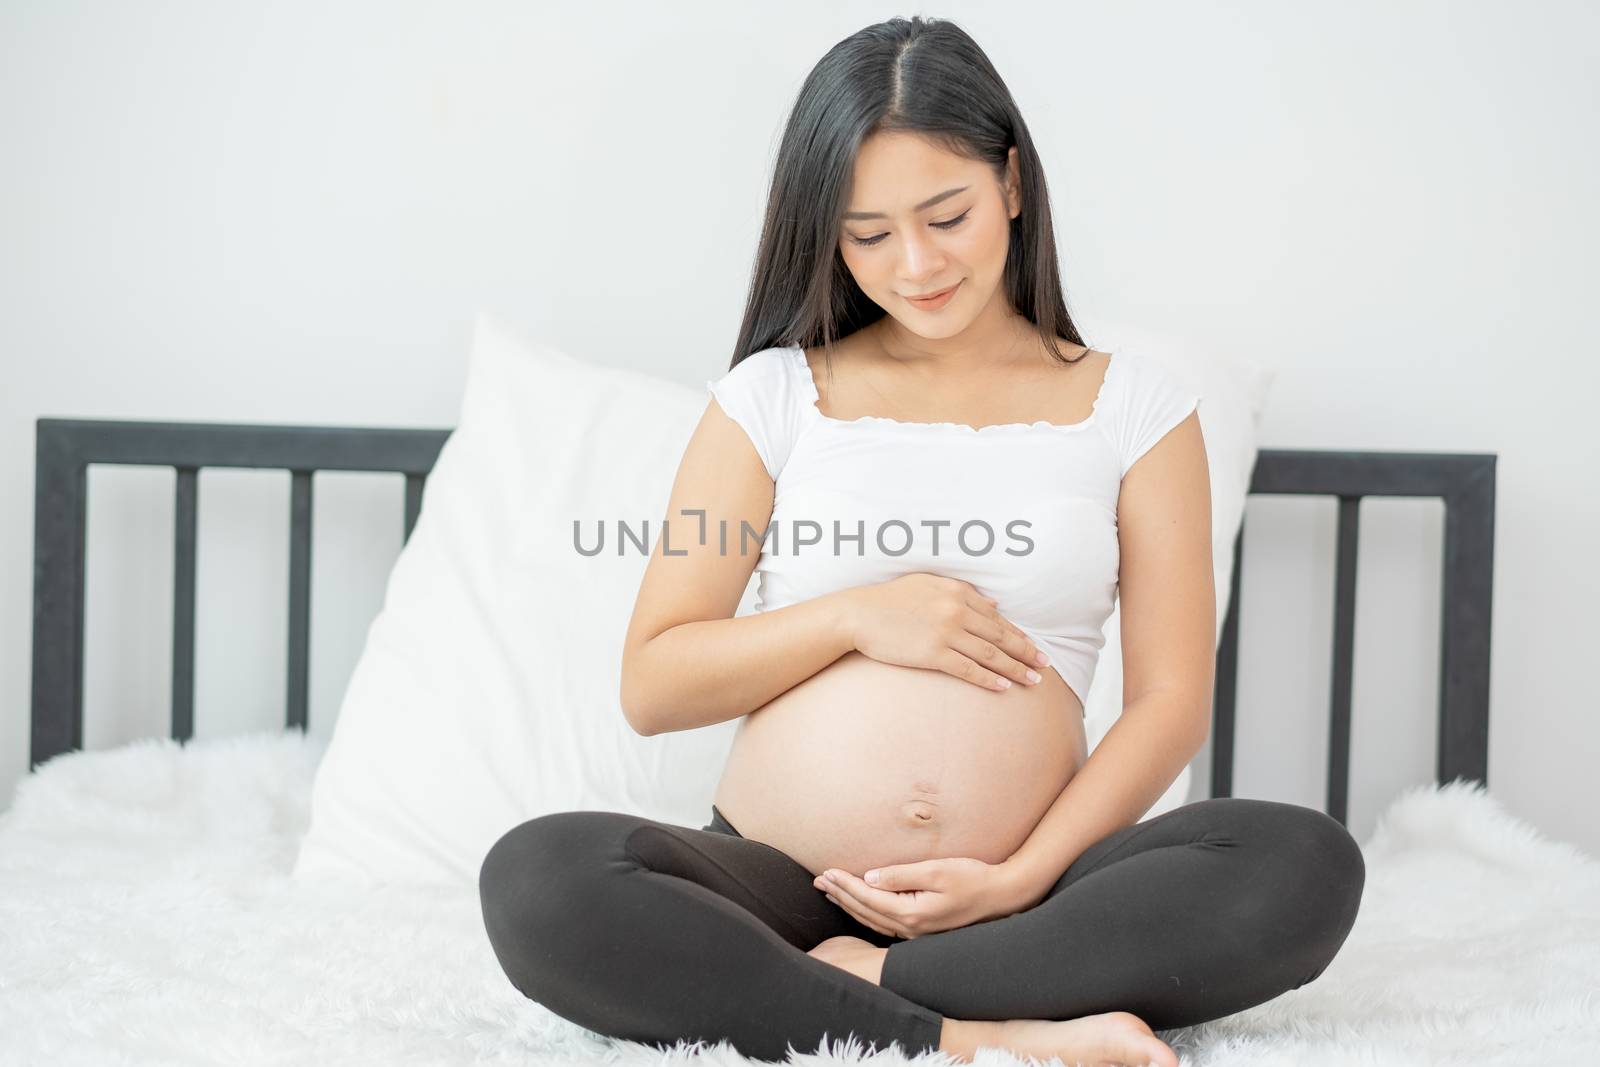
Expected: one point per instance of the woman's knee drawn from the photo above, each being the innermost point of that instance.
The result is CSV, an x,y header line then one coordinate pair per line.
x,y
1301,863
1321,846
1334,875
1312,840
539,870
1309,868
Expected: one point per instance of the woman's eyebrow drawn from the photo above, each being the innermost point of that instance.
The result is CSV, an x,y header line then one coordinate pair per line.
x,y
925,205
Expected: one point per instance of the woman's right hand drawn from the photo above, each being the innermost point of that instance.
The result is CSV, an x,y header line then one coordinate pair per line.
x,y
942,624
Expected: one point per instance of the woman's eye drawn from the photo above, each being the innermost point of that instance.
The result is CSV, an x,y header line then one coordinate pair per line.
x,y
868,242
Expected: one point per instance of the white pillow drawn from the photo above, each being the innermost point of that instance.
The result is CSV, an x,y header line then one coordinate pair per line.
x,y
1233,394
487,692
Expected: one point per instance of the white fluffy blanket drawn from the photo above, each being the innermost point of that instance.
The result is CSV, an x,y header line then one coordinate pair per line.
x,y
147,917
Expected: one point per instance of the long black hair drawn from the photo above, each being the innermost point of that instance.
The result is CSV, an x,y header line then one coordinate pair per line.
x,y
919,75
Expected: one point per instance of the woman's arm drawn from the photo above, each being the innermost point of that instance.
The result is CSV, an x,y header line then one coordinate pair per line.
x,y
1169,618
686,661
700,673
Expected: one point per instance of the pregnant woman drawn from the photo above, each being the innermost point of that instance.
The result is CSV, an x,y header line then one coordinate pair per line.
x,y
943,491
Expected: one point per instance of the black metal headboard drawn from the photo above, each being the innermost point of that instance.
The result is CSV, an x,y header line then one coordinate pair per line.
x,y
1465,482
66,447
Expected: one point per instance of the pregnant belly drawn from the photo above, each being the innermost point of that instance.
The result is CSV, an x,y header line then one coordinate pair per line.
x,y
867,763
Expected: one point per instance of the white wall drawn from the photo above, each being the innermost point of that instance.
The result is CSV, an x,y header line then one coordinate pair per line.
x,y
289,212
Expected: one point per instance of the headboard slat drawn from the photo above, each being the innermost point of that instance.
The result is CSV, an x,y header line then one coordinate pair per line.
x,y
1468,584
1344,644
299,597
186,495
414,483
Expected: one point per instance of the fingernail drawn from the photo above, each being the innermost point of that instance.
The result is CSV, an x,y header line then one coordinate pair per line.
x,y
1041,659
872,877
1005,683
1033,676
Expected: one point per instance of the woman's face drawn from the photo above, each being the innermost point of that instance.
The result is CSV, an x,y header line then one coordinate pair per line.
x,y
919,240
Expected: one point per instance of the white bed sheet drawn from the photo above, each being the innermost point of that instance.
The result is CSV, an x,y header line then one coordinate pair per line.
x,y
147,917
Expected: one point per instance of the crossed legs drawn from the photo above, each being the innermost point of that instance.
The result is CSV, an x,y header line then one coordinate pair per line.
x,y
647,931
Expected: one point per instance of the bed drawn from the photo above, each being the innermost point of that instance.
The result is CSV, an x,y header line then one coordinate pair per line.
x,y
149,918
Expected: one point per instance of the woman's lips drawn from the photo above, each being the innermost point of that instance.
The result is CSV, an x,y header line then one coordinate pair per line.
x,y
933,303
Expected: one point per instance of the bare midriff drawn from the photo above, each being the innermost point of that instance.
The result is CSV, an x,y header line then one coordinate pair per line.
x,y
867,763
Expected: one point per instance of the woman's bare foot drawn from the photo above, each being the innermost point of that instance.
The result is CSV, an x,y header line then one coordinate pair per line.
x,y
1114,1038
860,958
1108,1040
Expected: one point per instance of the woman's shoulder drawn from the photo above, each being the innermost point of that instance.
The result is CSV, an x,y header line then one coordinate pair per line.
x,y
758,393
1143,400
765,364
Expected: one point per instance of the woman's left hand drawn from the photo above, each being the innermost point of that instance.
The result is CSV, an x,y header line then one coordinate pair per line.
x,y
913,899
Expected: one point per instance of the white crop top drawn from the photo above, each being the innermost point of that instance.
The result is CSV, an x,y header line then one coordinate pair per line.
x,y
864,500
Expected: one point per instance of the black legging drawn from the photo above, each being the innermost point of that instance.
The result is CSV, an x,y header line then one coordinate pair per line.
x,y
651,932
